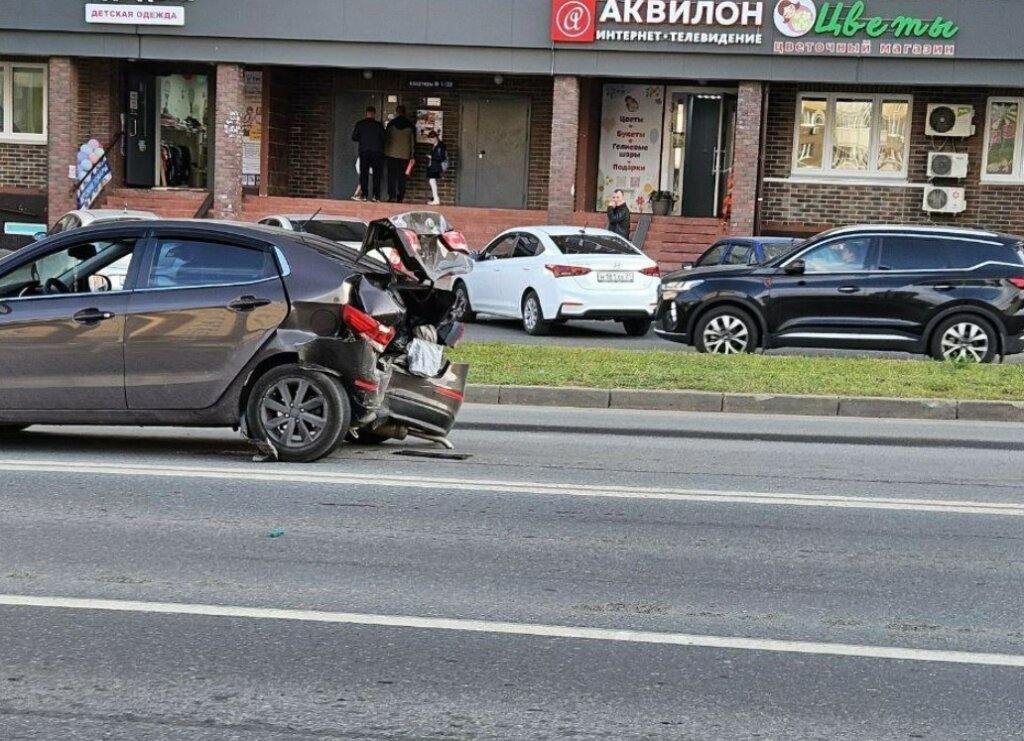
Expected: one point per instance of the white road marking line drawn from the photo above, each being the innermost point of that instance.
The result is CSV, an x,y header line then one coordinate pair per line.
x,y
295,475
521,629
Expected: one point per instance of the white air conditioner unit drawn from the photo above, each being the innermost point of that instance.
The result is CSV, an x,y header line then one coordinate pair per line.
x,y
944,200
950,119
947,165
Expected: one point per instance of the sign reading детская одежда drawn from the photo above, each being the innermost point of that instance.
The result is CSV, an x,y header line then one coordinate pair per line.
x,y
812,27
138,13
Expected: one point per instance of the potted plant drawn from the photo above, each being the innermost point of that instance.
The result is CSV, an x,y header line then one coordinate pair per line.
x,y
661,202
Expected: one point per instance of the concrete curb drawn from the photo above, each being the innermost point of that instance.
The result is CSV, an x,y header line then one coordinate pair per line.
x,y
704,401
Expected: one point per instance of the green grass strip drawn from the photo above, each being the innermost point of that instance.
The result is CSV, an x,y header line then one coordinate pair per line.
x,y
531,365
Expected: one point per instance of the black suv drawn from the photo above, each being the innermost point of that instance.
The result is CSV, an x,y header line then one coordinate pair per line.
x,y
955,294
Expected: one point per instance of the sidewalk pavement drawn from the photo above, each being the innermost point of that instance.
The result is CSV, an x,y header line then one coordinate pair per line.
x,y
703,401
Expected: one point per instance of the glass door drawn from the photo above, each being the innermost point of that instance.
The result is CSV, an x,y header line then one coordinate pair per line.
x,y
182,140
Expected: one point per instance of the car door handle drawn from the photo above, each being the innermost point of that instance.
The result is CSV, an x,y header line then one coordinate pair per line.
x,y
92,316
248,303
849,289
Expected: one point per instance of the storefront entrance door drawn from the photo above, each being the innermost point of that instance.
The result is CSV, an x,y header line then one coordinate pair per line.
x,y
494,142
140,130
703,152
349,108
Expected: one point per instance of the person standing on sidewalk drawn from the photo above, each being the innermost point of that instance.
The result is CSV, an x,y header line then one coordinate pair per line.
x,y
437,165
618,215
369,134
399,144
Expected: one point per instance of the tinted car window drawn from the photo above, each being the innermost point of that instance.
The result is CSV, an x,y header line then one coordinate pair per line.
x,y
75,268
503,247
838,255
778,249
593,244
739,255
528,246
336,231
713,256
186,262
912,253
963,254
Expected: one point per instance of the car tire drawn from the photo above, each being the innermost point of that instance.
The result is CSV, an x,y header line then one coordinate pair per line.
x,y
462,309
534,322
965,338
726,330
636,327
307,435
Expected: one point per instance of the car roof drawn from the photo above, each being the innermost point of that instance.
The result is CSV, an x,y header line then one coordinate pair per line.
x,y
111,214
564,230
318,217
917,229
759,240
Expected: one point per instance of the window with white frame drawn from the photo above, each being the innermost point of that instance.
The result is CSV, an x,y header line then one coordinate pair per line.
x,y
839,134
1002,157
22,102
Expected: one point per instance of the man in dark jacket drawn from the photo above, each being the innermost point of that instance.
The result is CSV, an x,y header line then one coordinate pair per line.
x,y
369,133
399,146
618,215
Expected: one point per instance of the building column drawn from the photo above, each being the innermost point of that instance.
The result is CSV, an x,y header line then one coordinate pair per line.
x,y
565,132
62,134
746,156
227,152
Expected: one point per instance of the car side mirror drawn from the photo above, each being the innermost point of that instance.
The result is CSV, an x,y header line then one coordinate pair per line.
x,y
797,267
687,265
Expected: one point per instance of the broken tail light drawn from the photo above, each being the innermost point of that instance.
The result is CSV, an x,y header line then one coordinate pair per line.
x,y
654,272
1018,282
455,241
367,328
567,271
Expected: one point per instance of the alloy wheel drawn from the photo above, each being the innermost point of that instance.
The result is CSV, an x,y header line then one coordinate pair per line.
x,y
294,412
965,341
726,334
531,313
461,303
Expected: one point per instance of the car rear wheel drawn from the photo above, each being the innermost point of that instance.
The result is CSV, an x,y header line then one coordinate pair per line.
x,y
726,331
965,339
636,327
533,316
302,413
462,309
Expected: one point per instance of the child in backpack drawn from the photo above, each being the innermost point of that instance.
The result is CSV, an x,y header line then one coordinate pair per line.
x,y
437,165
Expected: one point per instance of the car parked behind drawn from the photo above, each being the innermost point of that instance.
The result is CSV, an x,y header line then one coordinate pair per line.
x,y
744,251
547,274
341,229
951,293
85,217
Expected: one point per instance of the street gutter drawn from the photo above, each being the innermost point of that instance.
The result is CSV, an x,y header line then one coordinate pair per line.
x,y
704,401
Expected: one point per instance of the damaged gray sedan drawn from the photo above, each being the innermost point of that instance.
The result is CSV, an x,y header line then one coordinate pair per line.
x,y
297,341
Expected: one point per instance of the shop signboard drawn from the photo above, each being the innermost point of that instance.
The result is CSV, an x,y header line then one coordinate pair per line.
x,y
631,124
137,14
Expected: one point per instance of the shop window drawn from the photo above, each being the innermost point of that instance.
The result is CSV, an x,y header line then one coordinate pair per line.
x,y
23,102
859,135
1002,158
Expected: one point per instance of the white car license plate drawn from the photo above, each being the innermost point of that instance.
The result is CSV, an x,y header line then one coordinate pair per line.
x,y
617,277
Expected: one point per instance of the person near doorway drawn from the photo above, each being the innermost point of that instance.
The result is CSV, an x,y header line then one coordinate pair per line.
x,y
399,143
437,165
618,215
369,134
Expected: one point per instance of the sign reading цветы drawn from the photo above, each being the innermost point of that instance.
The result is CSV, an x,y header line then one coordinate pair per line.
x,y
135,15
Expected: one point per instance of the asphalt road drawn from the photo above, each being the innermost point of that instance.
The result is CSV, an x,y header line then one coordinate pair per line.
x,y
611,335
649,576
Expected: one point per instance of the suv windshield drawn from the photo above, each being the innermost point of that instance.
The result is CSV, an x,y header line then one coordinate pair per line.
x,y
336,231
593,244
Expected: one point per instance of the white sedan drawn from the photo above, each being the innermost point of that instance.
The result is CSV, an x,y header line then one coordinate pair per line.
x,y
553,274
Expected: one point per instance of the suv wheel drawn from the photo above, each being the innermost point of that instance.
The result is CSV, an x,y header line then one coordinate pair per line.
x,y
533,316
964,338
302,413
726,331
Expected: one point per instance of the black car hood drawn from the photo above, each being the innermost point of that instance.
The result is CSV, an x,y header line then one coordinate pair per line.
x,y
716,271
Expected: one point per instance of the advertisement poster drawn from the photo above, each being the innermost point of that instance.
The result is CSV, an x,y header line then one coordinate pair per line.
x,y
631,122
252,129
427,121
